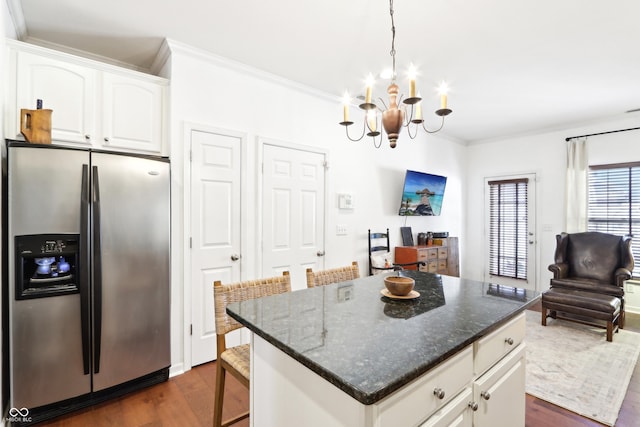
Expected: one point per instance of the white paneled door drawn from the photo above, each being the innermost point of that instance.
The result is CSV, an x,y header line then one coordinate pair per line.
x,y
293,192
215,229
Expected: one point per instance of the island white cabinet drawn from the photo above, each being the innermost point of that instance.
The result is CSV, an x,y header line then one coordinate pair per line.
x,y
454,393
499,393
456,413
94,105
415,402
496,399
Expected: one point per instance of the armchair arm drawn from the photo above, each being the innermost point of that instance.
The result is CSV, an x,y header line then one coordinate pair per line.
x,y
560,270
621,275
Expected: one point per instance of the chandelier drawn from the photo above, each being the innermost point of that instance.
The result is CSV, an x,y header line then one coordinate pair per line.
x,y
394,118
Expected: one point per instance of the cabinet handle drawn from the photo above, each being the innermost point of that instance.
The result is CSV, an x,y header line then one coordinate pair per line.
x,y
87,137
473,406
235,257
439,393
106,139
509,341
485,395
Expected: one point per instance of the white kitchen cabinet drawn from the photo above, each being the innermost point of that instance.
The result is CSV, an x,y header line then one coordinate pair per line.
x,y
499,393
456,414
131,113
497,398
421,398
491,348
94,105
454,393
66,88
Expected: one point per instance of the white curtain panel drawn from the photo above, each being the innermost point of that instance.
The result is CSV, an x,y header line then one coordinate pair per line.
x,y
576,195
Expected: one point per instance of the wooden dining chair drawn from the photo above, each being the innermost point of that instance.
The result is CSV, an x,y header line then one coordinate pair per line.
x,y
235,360
380,258
333,275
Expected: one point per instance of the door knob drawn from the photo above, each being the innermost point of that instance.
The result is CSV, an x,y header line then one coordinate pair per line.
x,y
235,257
320,253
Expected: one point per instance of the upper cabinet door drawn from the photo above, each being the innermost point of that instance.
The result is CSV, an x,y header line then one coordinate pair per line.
x,y
67,89
93,105
132,113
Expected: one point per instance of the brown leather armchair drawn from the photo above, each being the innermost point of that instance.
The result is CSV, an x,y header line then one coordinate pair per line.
x,y
593,262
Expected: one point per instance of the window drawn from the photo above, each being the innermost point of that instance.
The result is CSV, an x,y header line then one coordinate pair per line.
x,y
614,203
508,228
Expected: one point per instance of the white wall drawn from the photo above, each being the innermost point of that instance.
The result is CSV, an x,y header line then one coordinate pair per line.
x,y
214,92
545,155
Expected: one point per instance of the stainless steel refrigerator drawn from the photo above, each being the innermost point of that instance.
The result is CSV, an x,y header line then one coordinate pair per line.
x,y
87,252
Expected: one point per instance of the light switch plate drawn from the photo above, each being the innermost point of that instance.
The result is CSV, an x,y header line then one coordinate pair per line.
x,y
345,201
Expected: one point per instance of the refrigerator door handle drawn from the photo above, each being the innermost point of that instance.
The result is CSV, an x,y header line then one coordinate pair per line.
x,y
97,273
84,270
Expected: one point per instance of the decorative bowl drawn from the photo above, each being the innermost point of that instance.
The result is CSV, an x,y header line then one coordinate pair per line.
x,y
398,285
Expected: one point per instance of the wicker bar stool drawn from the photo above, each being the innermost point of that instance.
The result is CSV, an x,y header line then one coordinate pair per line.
x,y
333,275
235,360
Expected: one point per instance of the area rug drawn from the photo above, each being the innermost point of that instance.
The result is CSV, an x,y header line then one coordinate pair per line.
x,y
573,366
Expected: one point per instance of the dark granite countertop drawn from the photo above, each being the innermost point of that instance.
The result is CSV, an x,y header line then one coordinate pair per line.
x,y
369,345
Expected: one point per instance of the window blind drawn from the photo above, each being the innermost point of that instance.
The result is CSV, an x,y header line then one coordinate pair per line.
x,y
508,228
614,203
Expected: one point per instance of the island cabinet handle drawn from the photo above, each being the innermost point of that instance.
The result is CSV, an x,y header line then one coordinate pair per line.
x,y
509,341
485,395
439,393
473,406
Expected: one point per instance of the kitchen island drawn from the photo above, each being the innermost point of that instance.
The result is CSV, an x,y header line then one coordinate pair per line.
x,y
346,355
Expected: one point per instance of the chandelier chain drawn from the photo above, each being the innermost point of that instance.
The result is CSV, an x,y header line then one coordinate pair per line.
x,y
393,42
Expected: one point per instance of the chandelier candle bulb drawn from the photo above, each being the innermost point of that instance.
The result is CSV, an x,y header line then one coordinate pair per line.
x,y
345,102
418,111
367,98
371,119
443,101
412,82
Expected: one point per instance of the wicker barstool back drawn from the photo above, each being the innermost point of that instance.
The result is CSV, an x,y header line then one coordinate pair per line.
x,y
235,360
333,275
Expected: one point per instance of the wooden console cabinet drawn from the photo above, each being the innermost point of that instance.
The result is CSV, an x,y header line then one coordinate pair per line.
x,y
441,259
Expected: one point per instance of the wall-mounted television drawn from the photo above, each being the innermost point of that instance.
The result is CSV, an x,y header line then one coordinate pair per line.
x,y
422,194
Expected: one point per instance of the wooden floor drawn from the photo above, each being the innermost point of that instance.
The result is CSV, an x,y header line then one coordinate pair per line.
x,y
187,400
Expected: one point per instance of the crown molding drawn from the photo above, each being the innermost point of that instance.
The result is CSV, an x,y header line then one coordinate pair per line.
x,y
163,56
84,54
17,17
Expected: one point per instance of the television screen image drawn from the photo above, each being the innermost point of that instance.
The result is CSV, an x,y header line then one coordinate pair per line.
x,y
422,194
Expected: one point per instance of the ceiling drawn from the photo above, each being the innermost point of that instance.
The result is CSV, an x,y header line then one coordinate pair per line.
x,y
513,66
